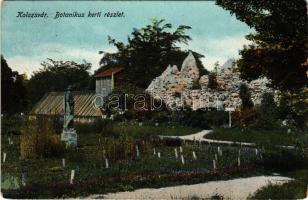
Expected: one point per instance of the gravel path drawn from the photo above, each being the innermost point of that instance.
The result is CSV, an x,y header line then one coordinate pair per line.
x,y
239,188
200,137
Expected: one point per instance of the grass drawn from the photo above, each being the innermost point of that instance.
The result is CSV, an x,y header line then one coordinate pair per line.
x,y
90,165
147,130
272,137
295,189
46,178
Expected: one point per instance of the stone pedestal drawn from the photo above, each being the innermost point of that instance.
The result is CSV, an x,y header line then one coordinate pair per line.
x,y
69,136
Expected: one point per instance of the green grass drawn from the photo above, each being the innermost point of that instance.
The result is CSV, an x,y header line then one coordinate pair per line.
x,y
46,178
146,130
89,164
272,137
295,189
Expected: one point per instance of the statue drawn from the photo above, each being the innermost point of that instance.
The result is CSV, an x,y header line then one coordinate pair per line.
x,y
68,109
69,135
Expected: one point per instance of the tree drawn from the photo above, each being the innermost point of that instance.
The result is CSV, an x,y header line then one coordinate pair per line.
x,y
56,76
245,96
280,40
149,51
267,112
13,91
213,84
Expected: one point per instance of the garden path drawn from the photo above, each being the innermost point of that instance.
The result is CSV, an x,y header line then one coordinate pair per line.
x,y
200,137
239,188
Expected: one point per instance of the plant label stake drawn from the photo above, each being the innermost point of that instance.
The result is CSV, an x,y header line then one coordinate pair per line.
x,y
181,149
219,151
182,158
107,163
4,157
158,154
239,161
154,151
72,176
9,140
137,151
23,179
63,163
194,155
216,156
256,152
176,153
214,164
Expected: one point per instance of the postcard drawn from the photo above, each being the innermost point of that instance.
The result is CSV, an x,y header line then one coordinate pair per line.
x,y
154,99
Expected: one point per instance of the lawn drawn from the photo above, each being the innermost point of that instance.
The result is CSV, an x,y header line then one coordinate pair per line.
x,y
271,137
127,169
147,170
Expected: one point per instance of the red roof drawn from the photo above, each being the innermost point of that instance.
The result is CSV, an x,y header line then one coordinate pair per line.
x,y
108,72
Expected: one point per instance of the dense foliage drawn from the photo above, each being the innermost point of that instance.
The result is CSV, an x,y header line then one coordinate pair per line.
x,y
280,40
39,139
13,91
57,76
245,96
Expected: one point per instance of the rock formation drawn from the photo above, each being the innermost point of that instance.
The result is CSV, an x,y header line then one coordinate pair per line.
x,y
175,87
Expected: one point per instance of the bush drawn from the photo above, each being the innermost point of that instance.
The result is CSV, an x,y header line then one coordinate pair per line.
x,y
39,139
122,148
204,119
245,96
284,159
213,84
98,126
129,115
161,117
267,113
290,190
11,125
243,118
196,85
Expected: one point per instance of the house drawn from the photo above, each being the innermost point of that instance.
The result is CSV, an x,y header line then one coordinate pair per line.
x,y
87,104
107,79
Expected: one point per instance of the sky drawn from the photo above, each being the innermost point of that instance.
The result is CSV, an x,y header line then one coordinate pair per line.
x,y
27,42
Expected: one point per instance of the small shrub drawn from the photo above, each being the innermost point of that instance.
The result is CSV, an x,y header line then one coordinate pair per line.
x,y
161,117
122,148
129,115
213,84
267,113
283,159
290,190
39,139
243,118
196,85
245,96
11,125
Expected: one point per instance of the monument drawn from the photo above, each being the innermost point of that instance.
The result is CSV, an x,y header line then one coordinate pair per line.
x,y
69,135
